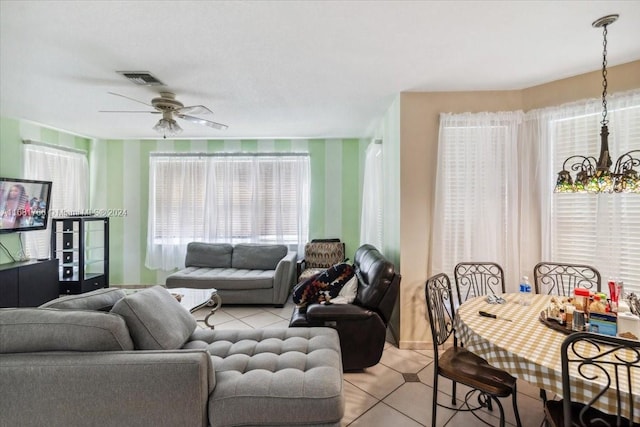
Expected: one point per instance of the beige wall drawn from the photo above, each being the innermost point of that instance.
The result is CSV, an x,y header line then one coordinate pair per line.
x,y
419,124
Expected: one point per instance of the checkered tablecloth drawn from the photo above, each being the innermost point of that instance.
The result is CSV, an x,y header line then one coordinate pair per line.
x,y
525,347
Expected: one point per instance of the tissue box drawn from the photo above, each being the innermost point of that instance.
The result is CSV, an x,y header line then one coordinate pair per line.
x,y
628,326
603,323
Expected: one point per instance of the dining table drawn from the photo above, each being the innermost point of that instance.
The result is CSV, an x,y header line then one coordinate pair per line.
x,y
517,341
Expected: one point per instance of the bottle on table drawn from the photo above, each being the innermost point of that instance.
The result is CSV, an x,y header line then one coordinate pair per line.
x,y
525,291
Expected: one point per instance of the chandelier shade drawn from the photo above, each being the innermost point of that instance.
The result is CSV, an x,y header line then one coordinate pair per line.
x,y
595,176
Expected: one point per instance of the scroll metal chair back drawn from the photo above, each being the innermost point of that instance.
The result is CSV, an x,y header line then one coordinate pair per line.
x,y
478,278
611,366
459,364
561,279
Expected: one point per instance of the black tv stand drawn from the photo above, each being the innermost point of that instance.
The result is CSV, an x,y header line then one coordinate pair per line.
x,y
28,283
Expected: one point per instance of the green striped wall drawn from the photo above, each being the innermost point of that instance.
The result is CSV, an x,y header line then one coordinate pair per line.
x,y
119,179
12,133
121,173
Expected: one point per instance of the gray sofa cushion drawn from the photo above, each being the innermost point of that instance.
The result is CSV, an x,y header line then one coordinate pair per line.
x,y
155,319
257,256
286,376
222,278
100,299
25,330
213,255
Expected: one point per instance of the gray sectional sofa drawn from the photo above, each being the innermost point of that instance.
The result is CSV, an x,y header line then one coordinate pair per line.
x,y
242,273
144,362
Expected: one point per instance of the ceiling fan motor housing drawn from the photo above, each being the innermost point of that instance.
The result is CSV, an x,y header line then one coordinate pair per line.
x,y
166,102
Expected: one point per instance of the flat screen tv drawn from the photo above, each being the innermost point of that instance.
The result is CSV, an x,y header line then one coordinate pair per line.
x,y
24,204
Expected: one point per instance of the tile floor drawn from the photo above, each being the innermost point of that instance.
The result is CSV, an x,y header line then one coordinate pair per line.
x,y
381,395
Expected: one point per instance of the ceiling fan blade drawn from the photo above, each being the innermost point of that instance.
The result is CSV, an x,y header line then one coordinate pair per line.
x,y
194,109
131,99
117,111
202,121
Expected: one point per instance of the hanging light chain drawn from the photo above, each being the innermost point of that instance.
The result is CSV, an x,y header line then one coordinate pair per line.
x,y
604,121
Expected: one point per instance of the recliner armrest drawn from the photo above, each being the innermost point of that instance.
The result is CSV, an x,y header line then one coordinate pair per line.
x,y
321,312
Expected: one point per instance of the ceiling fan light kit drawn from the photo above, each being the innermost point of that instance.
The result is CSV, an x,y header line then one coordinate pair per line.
x,y
167,127
594,176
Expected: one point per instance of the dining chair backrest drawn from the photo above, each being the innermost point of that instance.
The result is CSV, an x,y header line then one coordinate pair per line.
x,y
606,360
440,308
561,279
478,278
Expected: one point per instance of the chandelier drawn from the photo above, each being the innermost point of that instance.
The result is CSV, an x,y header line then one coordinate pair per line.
x,y
595,176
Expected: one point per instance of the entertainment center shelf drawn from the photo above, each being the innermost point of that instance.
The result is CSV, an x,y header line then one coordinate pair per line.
x,y
81,246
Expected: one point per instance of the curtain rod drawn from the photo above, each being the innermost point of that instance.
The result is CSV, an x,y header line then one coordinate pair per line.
x,y
55,147
225,154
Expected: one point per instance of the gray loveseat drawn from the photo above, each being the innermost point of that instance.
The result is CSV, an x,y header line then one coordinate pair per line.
x,y
144,362
242,273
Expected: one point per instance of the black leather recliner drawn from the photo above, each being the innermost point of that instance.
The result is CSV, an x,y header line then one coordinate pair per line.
x,y
361,325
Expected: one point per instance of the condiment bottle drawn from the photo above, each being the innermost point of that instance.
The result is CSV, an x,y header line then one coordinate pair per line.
x,y
582,299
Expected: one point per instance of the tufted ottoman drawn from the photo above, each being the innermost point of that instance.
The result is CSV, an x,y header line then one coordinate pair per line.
x,y
274,376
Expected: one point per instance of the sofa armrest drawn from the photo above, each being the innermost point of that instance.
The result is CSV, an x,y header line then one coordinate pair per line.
x,y
284,278
133,388
300,266
337,312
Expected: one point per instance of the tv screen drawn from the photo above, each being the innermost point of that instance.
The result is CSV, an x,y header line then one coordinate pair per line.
x,y
24,204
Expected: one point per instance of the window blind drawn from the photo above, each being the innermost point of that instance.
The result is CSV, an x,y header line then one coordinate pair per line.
x,y
475,213
227,198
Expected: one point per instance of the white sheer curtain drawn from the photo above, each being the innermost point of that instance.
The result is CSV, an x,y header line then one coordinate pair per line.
x,y
176,209
494,191
600,230
262,198
68,170
258,199
476,213
371,226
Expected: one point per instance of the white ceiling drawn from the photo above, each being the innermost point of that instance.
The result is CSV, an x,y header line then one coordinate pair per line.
x,y
286,69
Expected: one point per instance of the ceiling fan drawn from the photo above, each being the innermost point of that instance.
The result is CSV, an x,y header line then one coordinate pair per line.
x,y
167,105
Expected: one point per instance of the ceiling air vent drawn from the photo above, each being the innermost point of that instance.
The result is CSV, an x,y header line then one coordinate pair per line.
x,y
142,78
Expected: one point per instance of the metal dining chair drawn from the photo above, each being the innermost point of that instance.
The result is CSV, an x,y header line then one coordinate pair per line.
x,y
478,278
561,279
597,359
459,364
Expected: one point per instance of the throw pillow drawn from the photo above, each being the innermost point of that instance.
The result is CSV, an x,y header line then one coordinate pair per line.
x,y
155,319
348,292
323,287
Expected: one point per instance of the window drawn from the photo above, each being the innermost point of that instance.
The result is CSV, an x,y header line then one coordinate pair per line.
x,y
68,170
600,230
494,192
476,213
261,198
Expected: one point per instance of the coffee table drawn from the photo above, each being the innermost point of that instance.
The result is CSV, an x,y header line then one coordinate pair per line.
x,y
194,299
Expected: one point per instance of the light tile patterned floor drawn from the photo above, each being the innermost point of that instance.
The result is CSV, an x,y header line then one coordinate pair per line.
x,y
380,396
